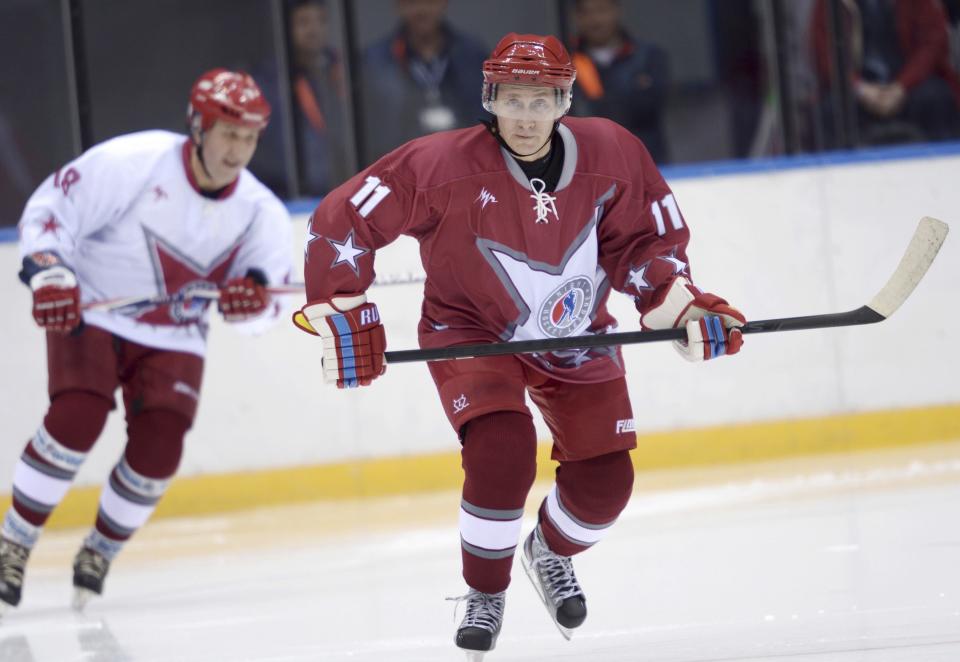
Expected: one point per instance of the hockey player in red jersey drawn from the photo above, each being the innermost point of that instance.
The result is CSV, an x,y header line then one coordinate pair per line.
x,y
148,214
525,224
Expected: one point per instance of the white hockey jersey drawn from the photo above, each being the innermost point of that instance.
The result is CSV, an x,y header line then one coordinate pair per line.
x,y
128,217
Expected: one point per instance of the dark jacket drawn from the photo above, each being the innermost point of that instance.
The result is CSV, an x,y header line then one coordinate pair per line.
x,y
631,91
318,109
921,28
395,98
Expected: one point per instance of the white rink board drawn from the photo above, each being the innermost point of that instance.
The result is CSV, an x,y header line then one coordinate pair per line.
x,y
786,243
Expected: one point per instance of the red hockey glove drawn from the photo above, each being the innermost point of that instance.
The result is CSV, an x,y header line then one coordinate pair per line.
x,y
56,296
353,338
243,298
712,324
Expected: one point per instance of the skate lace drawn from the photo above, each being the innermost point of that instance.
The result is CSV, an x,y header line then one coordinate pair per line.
x,y
544,202
91,564
484,610
13,560
557,572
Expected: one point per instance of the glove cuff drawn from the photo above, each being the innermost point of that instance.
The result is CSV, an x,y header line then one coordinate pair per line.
x,y
326,307
257,276
58,276
670,304
34,263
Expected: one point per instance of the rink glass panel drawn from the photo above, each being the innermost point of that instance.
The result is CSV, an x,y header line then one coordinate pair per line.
x,y
143,57
38,123
742,79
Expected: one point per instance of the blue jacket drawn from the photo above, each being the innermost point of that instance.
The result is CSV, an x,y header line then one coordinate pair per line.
x,y
631,91
395,98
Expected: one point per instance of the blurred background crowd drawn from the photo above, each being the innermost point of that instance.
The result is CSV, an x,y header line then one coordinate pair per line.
x,y
697,80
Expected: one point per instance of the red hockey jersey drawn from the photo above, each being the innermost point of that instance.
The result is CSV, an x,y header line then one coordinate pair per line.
x,y
504,260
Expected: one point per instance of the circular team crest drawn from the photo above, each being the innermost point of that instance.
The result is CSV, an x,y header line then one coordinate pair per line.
x,y
187,309
567,307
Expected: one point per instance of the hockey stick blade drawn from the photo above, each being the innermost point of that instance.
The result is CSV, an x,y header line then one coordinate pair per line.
x,y
920,253
923,248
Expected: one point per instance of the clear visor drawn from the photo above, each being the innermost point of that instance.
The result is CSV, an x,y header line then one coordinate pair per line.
x,y
524,102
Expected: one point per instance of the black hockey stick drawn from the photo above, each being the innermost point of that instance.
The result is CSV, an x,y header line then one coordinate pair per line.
x,y
916,260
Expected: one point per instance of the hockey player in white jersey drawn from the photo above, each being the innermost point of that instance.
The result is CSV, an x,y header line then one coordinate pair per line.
x,y
147,214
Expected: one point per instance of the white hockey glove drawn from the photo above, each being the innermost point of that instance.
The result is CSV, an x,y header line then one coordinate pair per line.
x,y
712,324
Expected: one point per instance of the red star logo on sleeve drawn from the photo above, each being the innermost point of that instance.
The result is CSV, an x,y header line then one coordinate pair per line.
x,y
51,225
177,273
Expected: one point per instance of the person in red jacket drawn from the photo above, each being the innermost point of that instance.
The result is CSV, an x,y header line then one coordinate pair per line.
x,y
899,68
525,224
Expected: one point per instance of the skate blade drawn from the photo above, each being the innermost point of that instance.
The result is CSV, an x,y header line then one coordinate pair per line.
x,y
535,580
475,656
5,608
81,596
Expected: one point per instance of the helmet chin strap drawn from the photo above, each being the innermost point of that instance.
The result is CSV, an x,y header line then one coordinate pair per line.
x,y
495,131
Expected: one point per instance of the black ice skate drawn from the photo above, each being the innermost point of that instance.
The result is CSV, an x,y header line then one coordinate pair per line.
x,y
480,627
552,576
13,563
89,572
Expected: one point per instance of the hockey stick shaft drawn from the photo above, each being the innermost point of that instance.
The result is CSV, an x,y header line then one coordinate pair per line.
x,y
863,315
212,294
920,253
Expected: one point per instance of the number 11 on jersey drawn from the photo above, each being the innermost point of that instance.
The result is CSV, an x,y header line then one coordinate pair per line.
x,y
369,196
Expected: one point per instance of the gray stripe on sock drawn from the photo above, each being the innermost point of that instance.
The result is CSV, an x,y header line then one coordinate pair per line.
x,y
120,531
578,522
32,504
46,469
492,554
490,513
133,497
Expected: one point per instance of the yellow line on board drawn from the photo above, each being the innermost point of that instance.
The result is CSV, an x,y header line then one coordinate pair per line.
x,y
749,442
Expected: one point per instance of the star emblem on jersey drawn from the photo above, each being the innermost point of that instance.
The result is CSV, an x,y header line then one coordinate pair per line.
x,y
311,237
554,300
679,266
638,277
178,274
347,252
51,225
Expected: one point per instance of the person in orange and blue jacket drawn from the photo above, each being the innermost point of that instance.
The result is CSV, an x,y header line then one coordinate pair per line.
x,y
620,77
426,72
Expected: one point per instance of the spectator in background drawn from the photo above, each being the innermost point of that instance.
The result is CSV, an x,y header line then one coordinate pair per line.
x,y
427,73
899,68
318,93
619,77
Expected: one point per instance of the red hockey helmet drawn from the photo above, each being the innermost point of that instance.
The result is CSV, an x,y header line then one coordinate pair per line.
x,y
533,60
231,96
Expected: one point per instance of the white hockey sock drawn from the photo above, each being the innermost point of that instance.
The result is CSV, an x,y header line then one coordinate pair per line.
x,y
40,481
19,530
571,528
127,501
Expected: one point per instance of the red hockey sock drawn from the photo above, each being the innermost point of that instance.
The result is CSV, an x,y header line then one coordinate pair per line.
x,y
499,462
584,504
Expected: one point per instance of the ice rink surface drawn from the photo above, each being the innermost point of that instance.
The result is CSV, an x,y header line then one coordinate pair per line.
x,y
836,559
